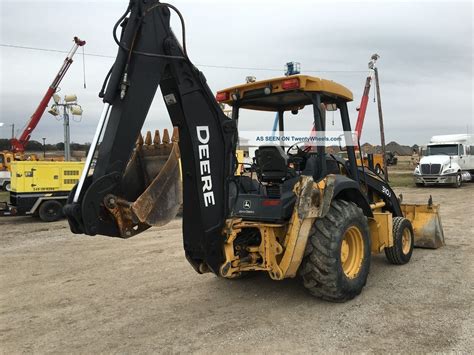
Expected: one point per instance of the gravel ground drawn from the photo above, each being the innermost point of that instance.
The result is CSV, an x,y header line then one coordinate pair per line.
x,y
74,294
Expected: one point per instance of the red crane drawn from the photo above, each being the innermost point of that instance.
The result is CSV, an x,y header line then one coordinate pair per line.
x,y
19,144
365,97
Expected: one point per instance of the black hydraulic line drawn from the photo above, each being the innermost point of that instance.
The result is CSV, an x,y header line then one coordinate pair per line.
x,y
148,54
318,123
346,126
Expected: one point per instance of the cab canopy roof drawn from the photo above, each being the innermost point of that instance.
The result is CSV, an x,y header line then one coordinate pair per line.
x,y
283,94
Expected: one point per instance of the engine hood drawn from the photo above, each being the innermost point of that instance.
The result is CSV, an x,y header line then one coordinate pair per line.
x,y
437,159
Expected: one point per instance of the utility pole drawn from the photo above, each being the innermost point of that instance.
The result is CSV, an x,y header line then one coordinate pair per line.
x,y
67,139
382,134
44,148
13,131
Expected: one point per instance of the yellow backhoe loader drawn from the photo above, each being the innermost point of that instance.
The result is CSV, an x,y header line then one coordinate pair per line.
x,y
302,213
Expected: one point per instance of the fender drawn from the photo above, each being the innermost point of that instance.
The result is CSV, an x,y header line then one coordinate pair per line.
x,y
348,189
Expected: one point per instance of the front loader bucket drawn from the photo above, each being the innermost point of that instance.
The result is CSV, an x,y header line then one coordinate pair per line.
x,y
151,185
426,223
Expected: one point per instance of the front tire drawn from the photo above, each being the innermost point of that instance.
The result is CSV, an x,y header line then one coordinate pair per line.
x,y
458,182
403,242
337,256
7,186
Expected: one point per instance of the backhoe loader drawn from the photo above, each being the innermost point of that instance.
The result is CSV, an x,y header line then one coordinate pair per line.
x,y
305,213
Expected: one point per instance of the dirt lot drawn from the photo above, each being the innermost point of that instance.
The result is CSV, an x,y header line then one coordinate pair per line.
x,y
68,294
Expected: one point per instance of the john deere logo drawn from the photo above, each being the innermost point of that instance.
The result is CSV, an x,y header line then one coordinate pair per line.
x,y
247,204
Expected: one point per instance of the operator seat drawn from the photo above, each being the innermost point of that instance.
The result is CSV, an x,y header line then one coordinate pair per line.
x,y
311,168
272,163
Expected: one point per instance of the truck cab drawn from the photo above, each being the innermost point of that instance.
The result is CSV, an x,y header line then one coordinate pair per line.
x,y
5,176
448,159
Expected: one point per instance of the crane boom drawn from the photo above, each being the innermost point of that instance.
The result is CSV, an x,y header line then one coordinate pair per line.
x,y
365,98
19,144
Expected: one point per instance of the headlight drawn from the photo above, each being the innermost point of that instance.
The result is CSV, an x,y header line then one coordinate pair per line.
x,y
449,171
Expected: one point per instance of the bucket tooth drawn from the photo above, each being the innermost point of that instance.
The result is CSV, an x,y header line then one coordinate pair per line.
x,y
139,140
175,136
156,138
166,136
148,140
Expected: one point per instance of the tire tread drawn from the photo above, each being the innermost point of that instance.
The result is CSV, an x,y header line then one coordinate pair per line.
x,y
321,262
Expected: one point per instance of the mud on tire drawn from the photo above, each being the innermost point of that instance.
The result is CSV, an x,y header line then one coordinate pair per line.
x,y
323,272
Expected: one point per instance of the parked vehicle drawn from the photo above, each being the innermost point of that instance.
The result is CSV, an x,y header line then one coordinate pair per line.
x,y
40,188
377,160
5,180
391,158
6,159
448,159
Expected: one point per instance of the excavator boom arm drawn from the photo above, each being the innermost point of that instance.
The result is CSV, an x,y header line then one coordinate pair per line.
x,y
149,56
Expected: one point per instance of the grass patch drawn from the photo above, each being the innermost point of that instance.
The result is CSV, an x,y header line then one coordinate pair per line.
x,y
4,196
401,180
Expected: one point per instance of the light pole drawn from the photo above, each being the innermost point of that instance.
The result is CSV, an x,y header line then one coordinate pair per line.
x,y
68,105
382,131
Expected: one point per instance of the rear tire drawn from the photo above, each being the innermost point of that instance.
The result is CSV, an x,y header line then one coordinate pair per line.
x,y
7,186
403,242
337,257
50,211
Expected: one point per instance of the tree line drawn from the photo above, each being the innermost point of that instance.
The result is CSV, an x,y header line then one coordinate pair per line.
x,y
35,146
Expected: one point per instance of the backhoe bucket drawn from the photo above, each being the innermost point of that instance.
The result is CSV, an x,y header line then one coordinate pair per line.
x,y
151,184
426,223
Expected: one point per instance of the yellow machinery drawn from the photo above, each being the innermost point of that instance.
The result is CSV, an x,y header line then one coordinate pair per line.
x,y
41,188
301,213
6,160
377,160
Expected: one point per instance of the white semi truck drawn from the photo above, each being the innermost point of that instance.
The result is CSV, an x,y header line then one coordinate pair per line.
x,y
448,159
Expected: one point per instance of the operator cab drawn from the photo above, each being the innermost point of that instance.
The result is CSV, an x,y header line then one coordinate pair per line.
x,y
266,194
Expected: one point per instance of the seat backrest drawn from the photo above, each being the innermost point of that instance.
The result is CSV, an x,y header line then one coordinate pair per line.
x,y
311,167
272,163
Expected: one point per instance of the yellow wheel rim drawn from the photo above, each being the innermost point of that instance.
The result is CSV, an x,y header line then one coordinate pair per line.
x,y
406,241
352,252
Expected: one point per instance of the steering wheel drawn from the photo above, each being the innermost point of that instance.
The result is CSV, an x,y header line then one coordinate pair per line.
x,y
300,152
